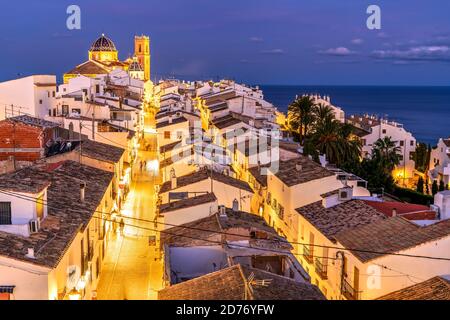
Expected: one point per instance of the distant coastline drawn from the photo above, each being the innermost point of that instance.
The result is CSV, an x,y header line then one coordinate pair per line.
x,y
423,110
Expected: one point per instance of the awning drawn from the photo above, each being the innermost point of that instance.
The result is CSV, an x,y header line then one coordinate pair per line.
x,y
7,289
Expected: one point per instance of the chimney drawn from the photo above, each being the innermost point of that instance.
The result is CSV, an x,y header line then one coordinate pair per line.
x,y
82,191
298,167
173,179
222,212
235,205
394,212
170,119
30,253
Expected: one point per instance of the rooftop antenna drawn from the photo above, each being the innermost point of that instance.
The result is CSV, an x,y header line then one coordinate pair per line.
x,y
251,282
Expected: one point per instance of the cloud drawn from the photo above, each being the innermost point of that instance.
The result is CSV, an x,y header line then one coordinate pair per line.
x,y
420,53
357,41
273,51
339,51
256,39
382,35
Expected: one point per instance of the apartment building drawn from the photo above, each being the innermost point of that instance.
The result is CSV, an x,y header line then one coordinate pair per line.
x,y
54,230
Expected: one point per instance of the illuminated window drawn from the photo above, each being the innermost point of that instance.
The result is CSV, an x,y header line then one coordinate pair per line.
x,y
40,207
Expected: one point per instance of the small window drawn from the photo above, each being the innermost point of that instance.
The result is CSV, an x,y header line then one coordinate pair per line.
x,y
5,213
166,134
402,143
65,109
40,101
411,143
384,131
180,135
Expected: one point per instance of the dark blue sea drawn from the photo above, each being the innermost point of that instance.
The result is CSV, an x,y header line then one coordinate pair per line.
x,y
425,111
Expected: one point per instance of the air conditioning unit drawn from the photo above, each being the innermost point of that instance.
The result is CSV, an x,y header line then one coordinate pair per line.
x,y
34,226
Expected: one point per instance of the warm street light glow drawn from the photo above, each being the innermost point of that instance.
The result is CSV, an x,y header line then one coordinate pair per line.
x,y
153,166
74,294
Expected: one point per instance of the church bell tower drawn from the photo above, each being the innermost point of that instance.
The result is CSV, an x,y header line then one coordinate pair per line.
x,y
142,52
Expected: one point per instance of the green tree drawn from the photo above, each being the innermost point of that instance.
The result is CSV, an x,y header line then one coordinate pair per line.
x,y
332,138
421,157
420,185
441,185
301,116
434,188
386,153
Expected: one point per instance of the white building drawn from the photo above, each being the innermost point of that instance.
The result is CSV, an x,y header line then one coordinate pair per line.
x,y
46,251
225,238
228,190
30,95
440,162
371,129
346,252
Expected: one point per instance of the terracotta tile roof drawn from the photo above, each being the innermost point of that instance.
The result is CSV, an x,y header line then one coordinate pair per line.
x,y
169,147
310,171
35,122
101,151
20,182
162,114
230,134
344,216
390,235
409,211
230,284
187,203
66,214
436,288
225,122
89,67
203,175
218,107
331,193
289,146
167,123
196,233
203,231
256,173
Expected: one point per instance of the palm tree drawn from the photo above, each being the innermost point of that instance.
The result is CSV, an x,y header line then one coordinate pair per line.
x,y
332,138
300,115
322,112
386,153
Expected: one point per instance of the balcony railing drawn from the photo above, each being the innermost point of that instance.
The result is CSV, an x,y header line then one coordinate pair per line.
x,y
307,253
349,292
321,269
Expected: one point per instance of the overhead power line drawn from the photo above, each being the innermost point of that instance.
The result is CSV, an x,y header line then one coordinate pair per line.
x,y
29,198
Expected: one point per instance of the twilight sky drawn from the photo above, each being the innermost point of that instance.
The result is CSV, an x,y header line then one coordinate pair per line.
x,y
316,42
